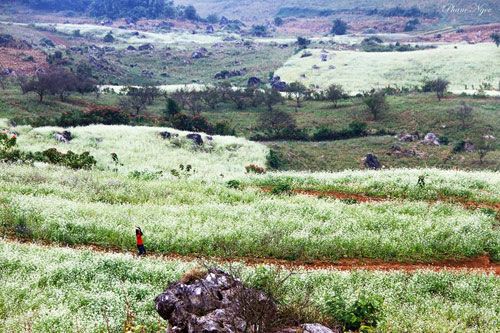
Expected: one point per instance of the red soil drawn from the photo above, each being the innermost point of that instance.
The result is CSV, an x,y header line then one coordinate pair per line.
x,y
477,264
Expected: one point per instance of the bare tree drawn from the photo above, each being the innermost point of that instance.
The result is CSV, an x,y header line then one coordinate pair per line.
x,y
464,113
194,102
136,100
484,146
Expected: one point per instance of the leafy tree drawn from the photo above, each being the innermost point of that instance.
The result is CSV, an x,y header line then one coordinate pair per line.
x,y
278,21
275,122
464,113
496,38
172,109
259,30
376,103
137,99
213,18
334,93
272,97
303,42
484,146
439,86
339,27
190,13
297,90
42,84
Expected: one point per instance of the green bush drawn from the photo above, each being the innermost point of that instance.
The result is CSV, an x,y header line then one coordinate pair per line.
x,y
273,160
234,184
355,129
364,314
444,140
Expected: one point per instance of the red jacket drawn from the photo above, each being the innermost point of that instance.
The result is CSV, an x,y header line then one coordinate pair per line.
x,y
139,239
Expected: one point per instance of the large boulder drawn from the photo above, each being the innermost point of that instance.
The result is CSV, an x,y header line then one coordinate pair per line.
x,y
196,138
146,47
254,82
165,134
371,161
431,139
218,302
277,84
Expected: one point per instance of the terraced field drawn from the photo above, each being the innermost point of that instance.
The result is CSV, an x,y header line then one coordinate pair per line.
x,y
430,250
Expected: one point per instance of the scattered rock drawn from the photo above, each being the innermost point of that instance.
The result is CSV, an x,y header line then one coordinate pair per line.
x,y
209,29
146,47
306,55
469,147
131,48
165,75
396,147
216,303
406,137
106,22
147,73
196,138
224,20
323,57
371,161
316,328
165,134
197,55
63,137
431,139
277,84
164,25
254,82
315,67
12,123
331,67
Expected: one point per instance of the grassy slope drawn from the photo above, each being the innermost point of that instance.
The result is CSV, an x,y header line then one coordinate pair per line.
x,y
59,290
249,9
361,71
420,113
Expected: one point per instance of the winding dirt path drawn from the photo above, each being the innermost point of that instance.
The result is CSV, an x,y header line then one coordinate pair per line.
x,y
477,264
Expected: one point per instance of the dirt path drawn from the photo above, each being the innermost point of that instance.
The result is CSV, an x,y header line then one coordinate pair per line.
x,y
477,264
360,198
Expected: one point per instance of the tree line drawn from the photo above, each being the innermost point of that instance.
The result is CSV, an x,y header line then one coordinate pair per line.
x,y
114,9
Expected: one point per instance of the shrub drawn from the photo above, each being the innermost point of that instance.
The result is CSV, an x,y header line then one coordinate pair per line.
x,y
355,129
459,146
223,127
444,140
70,159
363,314
145,175
197,123
253,168
105,116
439,86
376,103
273,160
236,184
339,27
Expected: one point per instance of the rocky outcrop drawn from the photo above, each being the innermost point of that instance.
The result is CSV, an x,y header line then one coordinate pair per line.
x,y
371,161
146,47
406,137
218,302
431,139
277,84
254,82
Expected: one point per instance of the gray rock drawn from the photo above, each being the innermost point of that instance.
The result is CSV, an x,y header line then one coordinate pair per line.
x,y
254,82
323,57
209,29
146,47
216,303
277,84
196,138
316,328
131,48
406,137
63,137
165,134
371,161
431,139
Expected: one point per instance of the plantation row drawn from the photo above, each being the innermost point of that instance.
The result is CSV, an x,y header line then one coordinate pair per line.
x,y
211,218
62,290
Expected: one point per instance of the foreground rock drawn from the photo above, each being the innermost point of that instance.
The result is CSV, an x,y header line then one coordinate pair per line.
x,y
216,303
431,139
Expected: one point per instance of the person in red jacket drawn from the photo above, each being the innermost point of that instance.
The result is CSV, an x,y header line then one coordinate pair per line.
x,y
140,243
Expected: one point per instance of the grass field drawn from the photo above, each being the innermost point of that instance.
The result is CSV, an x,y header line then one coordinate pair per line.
x,y
192,215
61,290
362,71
